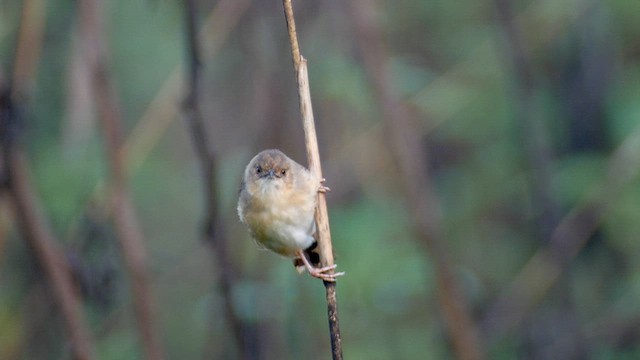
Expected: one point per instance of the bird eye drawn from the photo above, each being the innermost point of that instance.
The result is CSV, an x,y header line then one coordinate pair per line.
x,y
258,170
283,172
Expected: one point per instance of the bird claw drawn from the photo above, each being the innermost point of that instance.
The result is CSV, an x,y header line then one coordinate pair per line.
x,y
320,273
322,188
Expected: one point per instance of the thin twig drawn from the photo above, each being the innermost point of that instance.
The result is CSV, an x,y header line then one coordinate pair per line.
x,y
123,212
422,200
313,157
38,234
214,230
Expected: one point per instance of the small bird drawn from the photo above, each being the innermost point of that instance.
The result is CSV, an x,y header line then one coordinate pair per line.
x,y
277,202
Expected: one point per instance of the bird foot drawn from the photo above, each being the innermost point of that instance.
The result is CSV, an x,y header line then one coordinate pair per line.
x,y
321,273
322,188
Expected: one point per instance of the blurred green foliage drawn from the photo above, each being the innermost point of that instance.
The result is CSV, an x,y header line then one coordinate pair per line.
x,y
449,63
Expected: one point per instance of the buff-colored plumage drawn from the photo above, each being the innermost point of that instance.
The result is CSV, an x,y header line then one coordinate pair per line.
x,y
277,203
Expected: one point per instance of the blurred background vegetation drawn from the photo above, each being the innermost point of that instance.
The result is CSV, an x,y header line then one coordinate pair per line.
x,y
482,156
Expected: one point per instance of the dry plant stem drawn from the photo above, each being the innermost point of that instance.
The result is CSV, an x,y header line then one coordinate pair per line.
x,y
293,36
313,158
411,158
122,209
214,231
325,250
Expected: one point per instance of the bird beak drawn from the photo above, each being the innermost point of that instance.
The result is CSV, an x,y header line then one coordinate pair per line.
x,y
272,173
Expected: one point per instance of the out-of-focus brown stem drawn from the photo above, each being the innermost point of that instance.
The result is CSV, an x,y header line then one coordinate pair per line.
x,y
122,209
325,249
29,45
546,266
39,236
15,176
214,230
555,237
411,158
50,256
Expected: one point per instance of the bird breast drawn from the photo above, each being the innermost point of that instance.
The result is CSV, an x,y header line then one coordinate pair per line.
x,y
280,215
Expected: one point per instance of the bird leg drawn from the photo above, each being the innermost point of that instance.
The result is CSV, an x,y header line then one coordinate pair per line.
x,y
320,273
